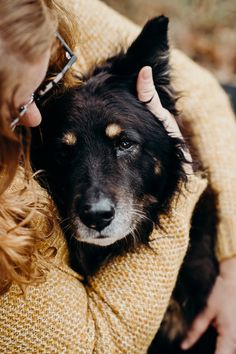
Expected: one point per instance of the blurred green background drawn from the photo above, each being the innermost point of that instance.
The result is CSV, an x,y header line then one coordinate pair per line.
x,y
204,29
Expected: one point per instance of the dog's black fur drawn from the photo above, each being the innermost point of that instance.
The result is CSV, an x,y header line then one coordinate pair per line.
x,y
111,166
231,91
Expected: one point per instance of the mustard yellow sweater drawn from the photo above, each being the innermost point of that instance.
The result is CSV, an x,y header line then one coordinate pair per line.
x,y
121,308
205,107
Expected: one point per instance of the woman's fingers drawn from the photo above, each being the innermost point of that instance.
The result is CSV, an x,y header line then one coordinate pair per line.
x,y
147,94
146,89
199,326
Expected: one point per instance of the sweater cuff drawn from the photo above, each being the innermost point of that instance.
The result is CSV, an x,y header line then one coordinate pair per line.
x,y
226,238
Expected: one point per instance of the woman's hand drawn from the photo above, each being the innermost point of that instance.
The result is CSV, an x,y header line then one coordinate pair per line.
x,y
220,311
221,307
147,93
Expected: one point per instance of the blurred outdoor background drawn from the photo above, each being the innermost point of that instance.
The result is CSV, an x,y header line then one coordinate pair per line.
x,y
204,29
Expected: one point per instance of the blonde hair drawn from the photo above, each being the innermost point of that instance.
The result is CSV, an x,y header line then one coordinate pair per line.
x,y
27,31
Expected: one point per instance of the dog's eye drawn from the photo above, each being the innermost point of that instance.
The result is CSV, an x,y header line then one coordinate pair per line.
x,y
125,144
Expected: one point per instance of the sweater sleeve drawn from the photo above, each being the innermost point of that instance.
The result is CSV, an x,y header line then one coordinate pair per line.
x,y
118,311
132,293
207,113
205,108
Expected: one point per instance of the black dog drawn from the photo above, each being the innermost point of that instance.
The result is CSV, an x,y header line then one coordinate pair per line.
x,y
112,169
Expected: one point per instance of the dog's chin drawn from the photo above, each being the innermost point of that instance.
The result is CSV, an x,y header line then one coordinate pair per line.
x,y
101,241
108,236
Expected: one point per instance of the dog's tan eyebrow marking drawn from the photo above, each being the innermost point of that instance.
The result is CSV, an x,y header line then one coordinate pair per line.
x,y
157,168
69,138
113,130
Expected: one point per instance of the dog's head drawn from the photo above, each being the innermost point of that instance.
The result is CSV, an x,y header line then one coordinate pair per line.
x,y
111,165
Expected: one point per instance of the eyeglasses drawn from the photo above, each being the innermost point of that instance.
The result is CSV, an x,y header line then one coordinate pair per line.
x,y
37,96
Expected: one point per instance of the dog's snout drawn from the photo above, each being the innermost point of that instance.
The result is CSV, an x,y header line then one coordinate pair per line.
x,y
97,214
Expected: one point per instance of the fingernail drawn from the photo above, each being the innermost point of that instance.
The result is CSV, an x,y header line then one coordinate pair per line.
x,y
184,345
147,70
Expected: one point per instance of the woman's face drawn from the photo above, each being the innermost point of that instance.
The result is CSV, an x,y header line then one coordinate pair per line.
x,y
31,79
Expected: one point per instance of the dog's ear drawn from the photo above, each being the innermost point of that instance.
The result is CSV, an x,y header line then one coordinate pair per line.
x,y
150,48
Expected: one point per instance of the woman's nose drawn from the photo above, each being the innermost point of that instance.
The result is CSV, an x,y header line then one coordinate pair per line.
x,y
32,116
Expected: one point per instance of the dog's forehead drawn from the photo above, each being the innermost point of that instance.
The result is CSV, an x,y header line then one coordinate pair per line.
x,y
108,103
102,109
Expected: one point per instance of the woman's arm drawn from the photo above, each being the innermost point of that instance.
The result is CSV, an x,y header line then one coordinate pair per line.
x,y
205,108
128,297
121,308
224,289
207,113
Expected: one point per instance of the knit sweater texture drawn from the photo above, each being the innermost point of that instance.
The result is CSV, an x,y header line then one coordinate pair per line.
x,y
121,308
205,108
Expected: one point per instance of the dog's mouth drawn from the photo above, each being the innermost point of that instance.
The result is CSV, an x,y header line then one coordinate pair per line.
x,y
101,236
123,224
100,240
105,237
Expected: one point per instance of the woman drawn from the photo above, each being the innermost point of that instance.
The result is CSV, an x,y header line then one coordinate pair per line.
x,y
57,313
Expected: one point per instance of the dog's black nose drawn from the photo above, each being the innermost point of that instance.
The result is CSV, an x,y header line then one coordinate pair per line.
x,y
98,214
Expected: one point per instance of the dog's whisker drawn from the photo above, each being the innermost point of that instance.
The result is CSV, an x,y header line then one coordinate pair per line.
x,y
141,215
65,221
135,236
